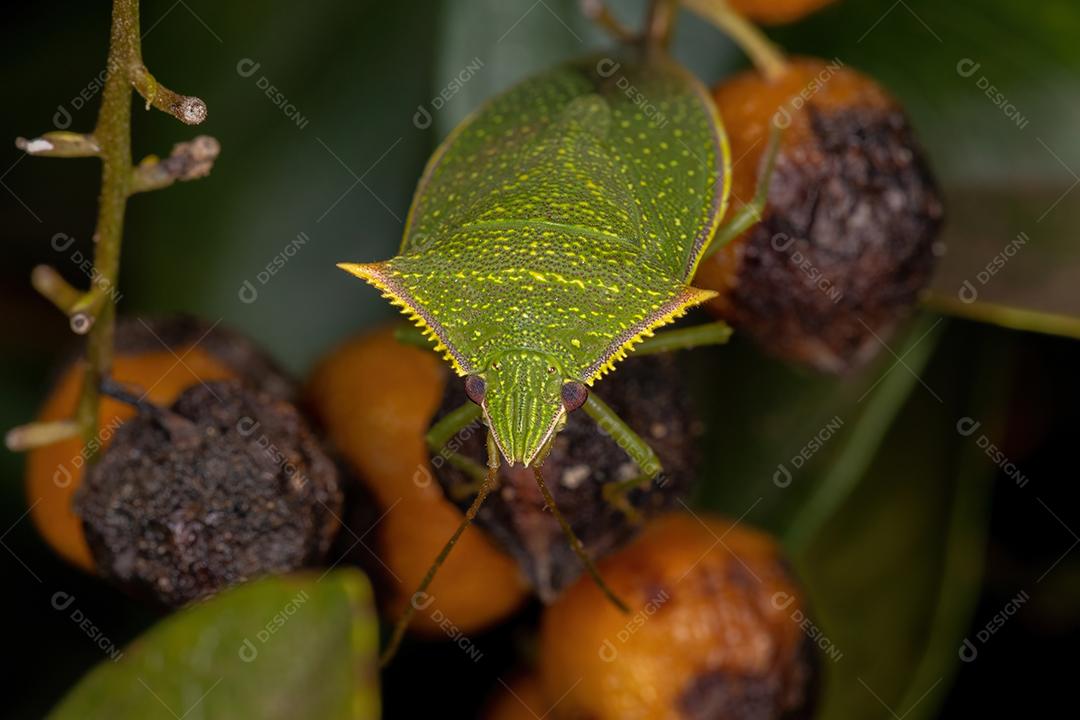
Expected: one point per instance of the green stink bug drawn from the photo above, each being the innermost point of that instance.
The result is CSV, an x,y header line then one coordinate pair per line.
x,y
552,232
556,228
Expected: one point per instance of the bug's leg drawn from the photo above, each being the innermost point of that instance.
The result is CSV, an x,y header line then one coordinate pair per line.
x,y
713,333
749,214
575,543
490,480
633,445
443,432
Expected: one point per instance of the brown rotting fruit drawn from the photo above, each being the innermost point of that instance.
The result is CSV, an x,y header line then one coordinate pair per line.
x,y
847,237
225,485
162,357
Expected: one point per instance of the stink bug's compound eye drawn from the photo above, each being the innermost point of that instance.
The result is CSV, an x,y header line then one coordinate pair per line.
x,y
474,388
574,395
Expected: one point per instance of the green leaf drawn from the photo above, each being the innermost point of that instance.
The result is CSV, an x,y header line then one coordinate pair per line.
x,y
782,425
280,647
895,571
880,500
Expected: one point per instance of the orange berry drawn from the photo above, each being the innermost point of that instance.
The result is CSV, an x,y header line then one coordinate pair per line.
x,y
776,12
375,398
710,632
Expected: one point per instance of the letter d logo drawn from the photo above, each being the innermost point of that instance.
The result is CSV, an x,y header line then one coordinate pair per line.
x,y
607,651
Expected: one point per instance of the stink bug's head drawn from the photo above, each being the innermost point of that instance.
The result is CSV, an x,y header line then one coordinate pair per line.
x,y
525,396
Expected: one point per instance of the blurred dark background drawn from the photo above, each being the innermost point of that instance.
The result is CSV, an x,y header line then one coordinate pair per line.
x,y
910,538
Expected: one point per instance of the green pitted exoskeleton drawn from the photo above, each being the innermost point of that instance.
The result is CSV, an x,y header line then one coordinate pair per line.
x,y
551,234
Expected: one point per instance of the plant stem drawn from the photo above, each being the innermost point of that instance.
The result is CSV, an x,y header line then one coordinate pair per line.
x,y
598,12
660,23
60,143
53,286
93,312
765,55
1014,318
113,135
27,437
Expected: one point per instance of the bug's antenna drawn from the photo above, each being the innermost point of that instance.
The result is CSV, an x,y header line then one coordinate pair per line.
x,y
575,543
410,610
